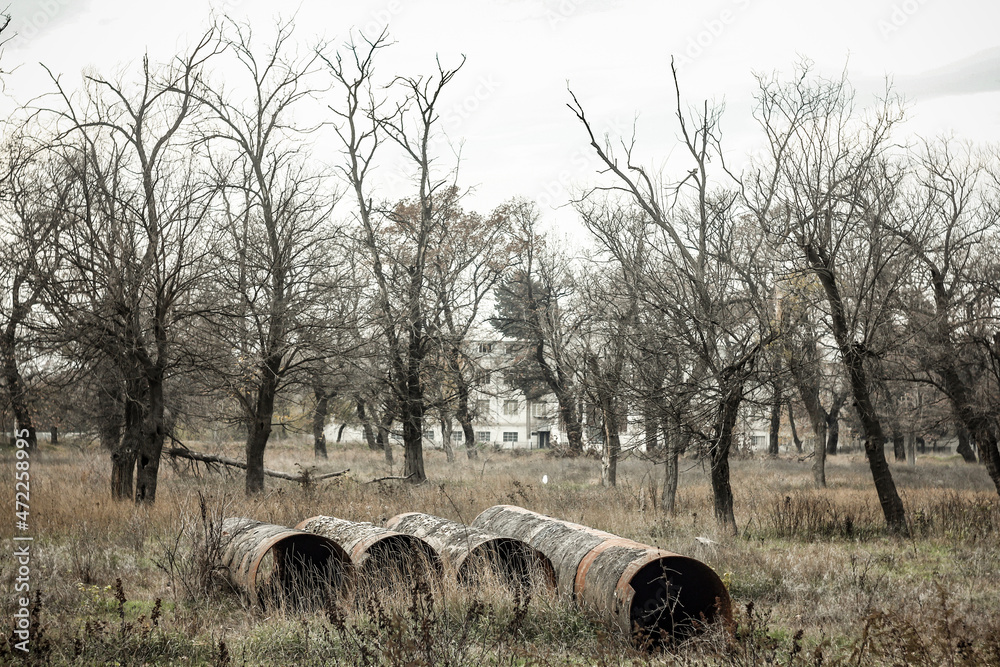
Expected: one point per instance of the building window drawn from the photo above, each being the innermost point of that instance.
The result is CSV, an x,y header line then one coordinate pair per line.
x,y
483,407
539,409
429,434
758,441
485,348
510,436
482,436
457,436
510,408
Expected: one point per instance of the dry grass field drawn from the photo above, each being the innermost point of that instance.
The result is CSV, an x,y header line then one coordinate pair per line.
x,y
813,577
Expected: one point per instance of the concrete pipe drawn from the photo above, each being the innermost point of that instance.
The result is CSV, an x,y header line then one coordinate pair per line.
x,y
275,564
471,552
644,590
383,558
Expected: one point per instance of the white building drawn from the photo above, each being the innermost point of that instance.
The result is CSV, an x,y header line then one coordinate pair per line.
x,y
504,417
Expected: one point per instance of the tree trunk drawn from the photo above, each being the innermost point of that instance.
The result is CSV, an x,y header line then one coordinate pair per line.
x,y
340,432
320,412
986,439
911,450
17,392
384,432
853,356
449,451
413,414
54,435
612,445
892,505
465,419
833,428
980,427
650,436
122,472
725,423
775,425
558,382
671,445
795,432
151,448
111,413
964,448
471,450
258,433
366,425
898,446
819,458
125,449
569,415
809,393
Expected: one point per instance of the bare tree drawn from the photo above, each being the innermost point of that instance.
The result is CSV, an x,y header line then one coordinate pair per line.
x,y
399,240
475,255
131,259
827,180
31,203
662,373
275,240
612,294
606,355
809,362
533,306
714,273
945,221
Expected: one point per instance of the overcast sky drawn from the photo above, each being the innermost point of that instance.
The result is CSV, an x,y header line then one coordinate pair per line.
x,y
507,106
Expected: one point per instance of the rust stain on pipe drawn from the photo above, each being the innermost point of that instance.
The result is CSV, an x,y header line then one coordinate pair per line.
x,y
382,556
273,563
469,551
643,590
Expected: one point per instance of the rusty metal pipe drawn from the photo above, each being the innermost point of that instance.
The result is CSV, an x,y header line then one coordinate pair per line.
x,y
276,563
644,590
382,557
470,552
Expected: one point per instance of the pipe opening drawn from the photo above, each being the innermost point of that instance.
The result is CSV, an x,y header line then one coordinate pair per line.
x,y
400,561
302,571
512,562
675,598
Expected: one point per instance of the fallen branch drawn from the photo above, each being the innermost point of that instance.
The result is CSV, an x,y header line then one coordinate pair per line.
x,y
303,478
383,479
